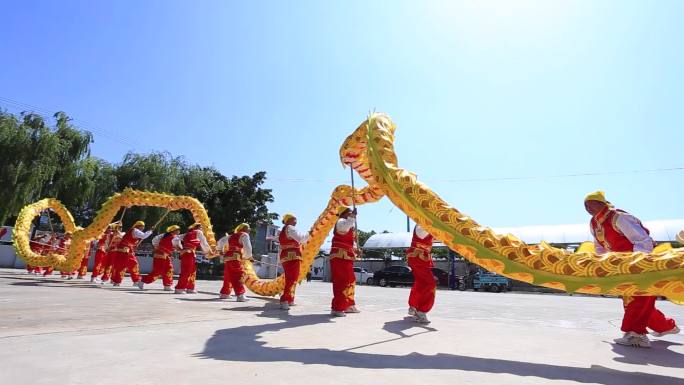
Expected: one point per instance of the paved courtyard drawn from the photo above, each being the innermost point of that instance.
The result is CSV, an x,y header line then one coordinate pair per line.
x,y
73,332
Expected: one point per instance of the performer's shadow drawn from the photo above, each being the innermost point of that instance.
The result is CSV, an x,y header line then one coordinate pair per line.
x,y
48,282
659,354
231,299
245,344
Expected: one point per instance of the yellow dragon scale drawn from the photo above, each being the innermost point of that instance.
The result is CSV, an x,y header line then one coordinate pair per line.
x,y
342,195
370,151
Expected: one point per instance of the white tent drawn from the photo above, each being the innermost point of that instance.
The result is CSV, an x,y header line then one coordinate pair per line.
x,y
661,231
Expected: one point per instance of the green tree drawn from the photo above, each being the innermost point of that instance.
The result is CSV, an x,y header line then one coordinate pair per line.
x,y
33,157
38,161
364,235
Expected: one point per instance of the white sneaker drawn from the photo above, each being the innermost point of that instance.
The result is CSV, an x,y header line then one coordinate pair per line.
x,y
116,284
167,288
421,317
241,298
285,306
139,284
292,304
337,313
674,330
191,291
80,277
352,309
633,339
224,296
103,282
179,291
412,311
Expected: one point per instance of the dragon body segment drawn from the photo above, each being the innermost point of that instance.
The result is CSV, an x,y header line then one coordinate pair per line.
x,y
81,237
370,151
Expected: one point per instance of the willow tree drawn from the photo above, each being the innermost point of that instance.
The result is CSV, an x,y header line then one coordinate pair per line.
x,y
33,156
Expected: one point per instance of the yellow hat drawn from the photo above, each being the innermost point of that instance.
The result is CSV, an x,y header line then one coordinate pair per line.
x,y
192,226
139,223
172,228
342,209
115,225
596,196
288,216
241,226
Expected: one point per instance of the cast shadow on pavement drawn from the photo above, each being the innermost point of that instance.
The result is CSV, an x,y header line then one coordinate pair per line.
x,y
245,344
48,282
659,355
189,298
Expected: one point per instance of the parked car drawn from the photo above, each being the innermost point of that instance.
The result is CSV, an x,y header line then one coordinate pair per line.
x,y
402,275
362,276
393,276
441,276
491,282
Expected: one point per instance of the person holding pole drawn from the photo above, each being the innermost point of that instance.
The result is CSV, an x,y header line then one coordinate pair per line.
x,y
618,231
235,248
124,254
290,255
422,296
164,246
343,252
192,240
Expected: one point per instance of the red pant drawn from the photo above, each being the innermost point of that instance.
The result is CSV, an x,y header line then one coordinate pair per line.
x,y
98,265
422,295
161,267
640,313
343,282
227,287
83,269
188,272
233,276
122,262
107,266
291,277
35,269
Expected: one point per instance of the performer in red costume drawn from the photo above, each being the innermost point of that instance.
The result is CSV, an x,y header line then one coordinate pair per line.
x,y
108,263
101,252
63,248
291,242
422,295
235,248
164,246
343,252
50,244
83,268
36,247
124,254
618,231
193,239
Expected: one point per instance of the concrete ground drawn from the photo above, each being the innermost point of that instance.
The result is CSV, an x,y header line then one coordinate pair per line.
x,y
72,332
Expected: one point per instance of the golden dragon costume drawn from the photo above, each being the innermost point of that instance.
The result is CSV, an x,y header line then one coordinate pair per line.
x,y
369,150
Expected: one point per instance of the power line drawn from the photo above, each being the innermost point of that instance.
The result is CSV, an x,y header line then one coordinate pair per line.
x,y
493,179
82,124
128,143
558,176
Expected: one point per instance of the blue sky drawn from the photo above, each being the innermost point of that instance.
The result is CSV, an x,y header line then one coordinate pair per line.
x,y
480,91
